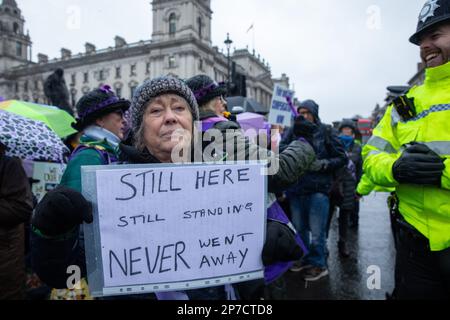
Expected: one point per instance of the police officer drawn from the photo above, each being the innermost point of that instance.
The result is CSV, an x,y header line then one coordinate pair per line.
x,y
410,150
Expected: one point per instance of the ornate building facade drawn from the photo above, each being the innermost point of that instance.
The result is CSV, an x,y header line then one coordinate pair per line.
x,y
180,46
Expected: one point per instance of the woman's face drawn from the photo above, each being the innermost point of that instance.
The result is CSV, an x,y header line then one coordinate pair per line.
x,y
167,122
113,122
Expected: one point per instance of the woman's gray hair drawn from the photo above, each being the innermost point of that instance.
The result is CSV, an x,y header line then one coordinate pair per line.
x,y
139,138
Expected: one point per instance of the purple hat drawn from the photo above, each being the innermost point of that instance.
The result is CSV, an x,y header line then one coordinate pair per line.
x,y
96,104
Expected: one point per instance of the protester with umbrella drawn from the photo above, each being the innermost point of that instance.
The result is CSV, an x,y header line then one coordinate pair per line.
x,y
15,210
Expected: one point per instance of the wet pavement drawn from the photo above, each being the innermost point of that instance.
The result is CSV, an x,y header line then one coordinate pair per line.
x,y
372,259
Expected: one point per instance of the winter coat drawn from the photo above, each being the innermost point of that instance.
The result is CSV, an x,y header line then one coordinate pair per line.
x,y
346,180
327,146
15,209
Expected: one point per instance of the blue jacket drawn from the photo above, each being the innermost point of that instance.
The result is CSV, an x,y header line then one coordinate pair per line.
x,y
328,147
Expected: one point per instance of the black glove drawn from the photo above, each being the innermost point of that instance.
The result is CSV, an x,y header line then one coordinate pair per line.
x,y
60,211
419,165
304,129
280,245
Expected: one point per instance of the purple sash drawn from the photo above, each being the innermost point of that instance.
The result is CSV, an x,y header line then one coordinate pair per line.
x,y
107,157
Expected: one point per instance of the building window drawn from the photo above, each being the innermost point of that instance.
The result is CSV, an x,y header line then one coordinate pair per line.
x,y
200,64
133,70
172,62
16,87
73,95
86,77
200,26
18,49
172,24
25,86
16,27
101,75
118,72
119,92
132,90
74,79
36,84
147,68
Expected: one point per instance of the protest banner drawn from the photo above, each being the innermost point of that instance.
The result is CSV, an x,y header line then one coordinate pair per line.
x,y
46,177
280,111
169,227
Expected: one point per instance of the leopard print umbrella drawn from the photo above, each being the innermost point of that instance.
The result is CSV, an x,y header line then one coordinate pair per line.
x,y
30,139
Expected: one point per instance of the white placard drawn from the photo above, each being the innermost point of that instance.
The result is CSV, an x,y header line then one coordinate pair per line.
x,y
164,228
280,111
49,176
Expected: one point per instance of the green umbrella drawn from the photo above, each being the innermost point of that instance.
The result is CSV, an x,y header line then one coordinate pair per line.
x,y
58,120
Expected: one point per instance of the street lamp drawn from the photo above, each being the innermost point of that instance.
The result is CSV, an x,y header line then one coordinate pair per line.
x,y
228,43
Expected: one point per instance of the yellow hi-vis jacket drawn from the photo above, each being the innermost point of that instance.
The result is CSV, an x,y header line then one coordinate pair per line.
x,y
427,208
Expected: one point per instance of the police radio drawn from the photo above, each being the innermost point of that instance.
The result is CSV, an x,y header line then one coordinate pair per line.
x,y
405,107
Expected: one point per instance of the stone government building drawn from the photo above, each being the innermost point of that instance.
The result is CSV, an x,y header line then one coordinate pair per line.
x,y
180,46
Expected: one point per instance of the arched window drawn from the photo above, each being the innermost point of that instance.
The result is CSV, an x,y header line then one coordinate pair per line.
x,y
172,23
16,27
200,26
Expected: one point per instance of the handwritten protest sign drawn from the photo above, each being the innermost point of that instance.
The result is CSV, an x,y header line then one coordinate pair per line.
x,y
280,112
166,228
47,176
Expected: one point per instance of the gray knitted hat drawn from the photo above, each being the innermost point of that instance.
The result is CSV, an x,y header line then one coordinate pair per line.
x,y
155,87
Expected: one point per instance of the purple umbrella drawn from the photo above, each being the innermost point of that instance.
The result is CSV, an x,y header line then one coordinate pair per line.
x,y
30,139
250,120
251,123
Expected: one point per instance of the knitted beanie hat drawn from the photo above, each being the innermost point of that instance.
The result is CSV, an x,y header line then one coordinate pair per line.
x,y
156,87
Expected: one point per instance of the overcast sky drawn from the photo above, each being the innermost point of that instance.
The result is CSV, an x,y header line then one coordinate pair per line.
x,y
342,53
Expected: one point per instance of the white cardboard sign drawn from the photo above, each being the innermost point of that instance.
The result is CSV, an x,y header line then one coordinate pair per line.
x,y
280,111
167,228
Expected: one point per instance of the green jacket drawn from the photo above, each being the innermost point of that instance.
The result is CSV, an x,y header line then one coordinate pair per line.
x,y
86,157
427,208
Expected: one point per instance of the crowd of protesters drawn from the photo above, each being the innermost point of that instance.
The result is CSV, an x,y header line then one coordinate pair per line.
x,y
313,171
311,157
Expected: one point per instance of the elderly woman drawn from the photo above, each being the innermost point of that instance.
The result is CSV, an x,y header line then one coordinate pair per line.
x,y
164,111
